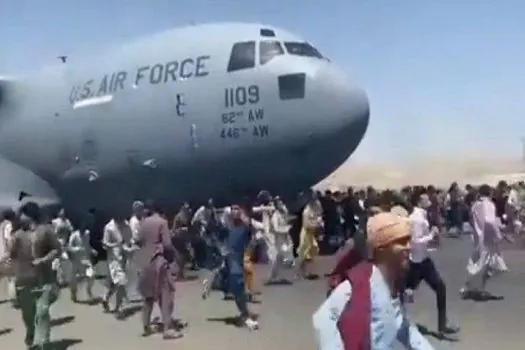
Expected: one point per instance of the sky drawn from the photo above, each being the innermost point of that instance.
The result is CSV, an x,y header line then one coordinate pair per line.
x,y
444,78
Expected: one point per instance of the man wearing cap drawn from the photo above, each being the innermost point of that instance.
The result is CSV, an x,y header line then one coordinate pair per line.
x,y
365,311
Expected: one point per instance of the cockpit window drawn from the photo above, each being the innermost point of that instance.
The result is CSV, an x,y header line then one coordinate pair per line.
x,y
242,56
267,32
268,50
302,49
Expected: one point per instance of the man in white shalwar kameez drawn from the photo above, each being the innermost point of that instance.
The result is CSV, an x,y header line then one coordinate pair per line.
x,y
485,257
280,242
118,244
136,219
264,233
6,229
63,229
512,210
80,253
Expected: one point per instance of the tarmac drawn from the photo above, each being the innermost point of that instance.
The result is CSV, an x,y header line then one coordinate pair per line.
x,y
285,314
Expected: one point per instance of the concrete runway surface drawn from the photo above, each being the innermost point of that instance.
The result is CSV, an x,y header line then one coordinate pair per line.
x,y
285,314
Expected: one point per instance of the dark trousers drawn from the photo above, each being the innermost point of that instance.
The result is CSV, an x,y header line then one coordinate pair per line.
x,y
295,233
199,251
183,256
426,271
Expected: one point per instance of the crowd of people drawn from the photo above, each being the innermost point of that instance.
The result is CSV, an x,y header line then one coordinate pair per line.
x,y
390,233
364,307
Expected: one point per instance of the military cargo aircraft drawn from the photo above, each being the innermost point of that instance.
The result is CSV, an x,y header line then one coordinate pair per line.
x,y
202,111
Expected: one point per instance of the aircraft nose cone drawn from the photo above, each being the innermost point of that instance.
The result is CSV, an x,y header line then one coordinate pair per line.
x,y
355,111
350,108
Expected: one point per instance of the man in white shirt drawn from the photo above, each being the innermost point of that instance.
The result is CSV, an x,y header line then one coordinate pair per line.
x,y
63,229
280,243
136,219
512,210
6,231
421,265
80,253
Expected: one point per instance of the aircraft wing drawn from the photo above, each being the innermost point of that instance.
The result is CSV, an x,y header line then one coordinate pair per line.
x,y
19,185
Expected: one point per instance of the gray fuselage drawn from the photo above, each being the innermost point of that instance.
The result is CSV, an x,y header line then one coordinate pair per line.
x,y
192,113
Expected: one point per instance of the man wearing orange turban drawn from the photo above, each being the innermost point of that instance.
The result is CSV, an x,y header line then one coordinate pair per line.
x,y
365,311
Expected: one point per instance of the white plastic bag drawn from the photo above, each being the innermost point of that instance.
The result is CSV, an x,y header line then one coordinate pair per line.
x,y
55,264
287,251
90,272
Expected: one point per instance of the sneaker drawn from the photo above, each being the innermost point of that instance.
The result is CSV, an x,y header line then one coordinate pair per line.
x,y
409,296
147,331
105,306
464,293
251,324
449,329
171,334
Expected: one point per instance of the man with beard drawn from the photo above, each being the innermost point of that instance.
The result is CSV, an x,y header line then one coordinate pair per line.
x,y
365,310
